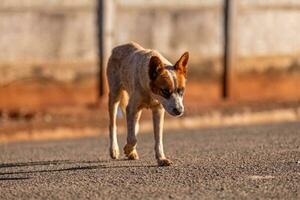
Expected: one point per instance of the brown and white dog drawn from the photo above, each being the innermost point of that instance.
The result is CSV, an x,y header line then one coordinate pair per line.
x,y
142,78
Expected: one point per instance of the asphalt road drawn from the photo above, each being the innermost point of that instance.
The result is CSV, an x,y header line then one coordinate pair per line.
x,y
253,162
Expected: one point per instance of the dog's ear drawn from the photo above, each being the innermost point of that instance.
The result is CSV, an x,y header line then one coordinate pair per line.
x,y
155,67
181,64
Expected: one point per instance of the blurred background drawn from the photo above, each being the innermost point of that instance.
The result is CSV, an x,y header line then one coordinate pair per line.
x,y
245,58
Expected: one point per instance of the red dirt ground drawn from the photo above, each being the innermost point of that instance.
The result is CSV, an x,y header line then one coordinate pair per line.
x,y
30,105
40,96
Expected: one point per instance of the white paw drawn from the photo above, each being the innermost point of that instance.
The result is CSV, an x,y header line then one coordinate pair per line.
x,y
114,153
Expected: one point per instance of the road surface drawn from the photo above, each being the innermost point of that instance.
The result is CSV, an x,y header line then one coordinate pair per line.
x,y
261,161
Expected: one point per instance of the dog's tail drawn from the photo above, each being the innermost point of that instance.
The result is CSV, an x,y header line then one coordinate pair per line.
x,y
123,102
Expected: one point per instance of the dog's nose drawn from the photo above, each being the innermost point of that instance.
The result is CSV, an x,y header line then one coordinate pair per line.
x,y
177,111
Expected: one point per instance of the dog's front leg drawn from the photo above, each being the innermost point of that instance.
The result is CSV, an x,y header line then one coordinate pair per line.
x,y
158,123
132,116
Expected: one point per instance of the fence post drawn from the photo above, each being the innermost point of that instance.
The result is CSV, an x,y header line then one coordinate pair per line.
x,y
230,37
105,16
100,48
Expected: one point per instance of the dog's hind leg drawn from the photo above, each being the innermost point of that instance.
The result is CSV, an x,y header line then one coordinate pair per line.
x,y
114,98
133,115
113,103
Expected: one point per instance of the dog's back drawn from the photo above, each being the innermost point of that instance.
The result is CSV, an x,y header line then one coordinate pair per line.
x,y
128,66
123,51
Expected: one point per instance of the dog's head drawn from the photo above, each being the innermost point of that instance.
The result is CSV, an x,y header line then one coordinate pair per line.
x,y
167,83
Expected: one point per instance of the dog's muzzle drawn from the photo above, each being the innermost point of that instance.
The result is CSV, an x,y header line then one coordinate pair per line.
x,y
177,111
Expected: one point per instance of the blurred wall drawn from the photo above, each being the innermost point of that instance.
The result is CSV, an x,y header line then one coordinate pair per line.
x,y
57,38
49,38
174,27
268,34
266,31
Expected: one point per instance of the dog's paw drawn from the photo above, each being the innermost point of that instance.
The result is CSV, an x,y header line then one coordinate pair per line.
x,y
114,153
128,149
164,162
133,155
130,152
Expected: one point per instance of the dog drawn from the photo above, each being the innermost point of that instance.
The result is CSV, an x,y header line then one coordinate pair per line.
x,y
141,78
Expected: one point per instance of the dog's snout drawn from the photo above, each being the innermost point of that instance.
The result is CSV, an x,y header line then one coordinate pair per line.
x,y
177,111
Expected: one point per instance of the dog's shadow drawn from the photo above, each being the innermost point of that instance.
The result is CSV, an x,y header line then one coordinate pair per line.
x,y
20,168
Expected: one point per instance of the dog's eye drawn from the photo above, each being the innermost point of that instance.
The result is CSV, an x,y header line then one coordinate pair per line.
x,y
180,91
166,93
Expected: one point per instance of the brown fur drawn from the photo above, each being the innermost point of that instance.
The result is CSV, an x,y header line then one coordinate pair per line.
x,y
161,82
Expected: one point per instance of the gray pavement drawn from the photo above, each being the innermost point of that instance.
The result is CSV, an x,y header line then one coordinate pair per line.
x,y
250,162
